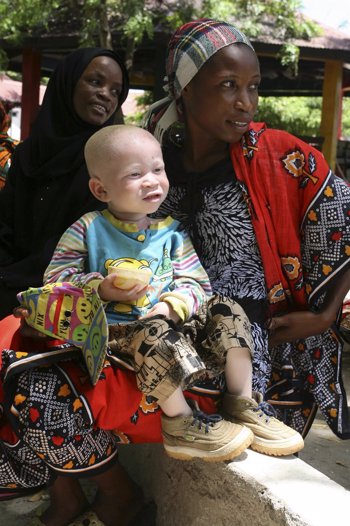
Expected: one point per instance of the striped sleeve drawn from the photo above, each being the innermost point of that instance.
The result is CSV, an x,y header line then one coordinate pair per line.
x,y
69,261
191,283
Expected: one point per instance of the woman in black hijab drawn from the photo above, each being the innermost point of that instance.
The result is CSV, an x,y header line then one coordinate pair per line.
x,y
47,190
47,186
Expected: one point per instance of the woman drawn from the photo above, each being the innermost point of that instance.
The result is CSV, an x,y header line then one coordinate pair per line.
x,y
216,109
268,218
7,145
47,189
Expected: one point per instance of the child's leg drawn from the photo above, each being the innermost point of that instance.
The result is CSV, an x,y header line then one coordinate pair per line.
x,y
240,405
225,342
175,405
165,362
162,358
239,372
189,433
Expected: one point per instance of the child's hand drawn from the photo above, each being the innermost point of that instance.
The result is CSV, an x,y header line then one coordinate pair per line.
x,y
163,308
109,292
25,329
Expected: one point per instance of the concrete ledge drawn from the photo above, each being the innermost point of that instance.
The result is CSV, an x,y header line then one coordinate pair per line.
x,y
252,490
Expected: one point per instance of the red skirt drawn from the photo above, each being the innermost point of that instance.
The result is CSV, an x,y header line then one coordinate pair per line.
x,y
114,403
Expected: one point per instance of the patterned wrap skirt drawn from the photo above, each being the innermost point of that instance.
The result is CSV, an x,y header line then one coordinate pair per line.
x,y
55,422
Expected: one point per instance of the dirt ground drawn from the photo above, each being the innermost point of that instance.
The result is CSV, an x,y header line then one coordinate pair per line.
x,y
323,451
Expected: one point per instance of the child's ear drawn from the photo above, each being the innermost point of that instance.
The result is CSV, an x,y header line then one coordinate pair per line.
x,y
98,190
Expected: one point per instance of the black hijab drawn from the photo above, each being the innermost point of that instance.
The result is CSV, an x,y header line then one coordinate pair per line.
x,y
47,186
56,143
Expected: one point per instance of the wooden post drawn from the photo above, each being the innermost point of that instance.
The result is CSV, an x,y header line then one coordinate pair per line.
x,y
332,86
30,89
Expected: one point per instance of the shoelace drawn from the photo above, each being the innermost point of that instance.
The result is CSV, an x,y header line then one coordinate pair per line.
x,y
200,418
265,409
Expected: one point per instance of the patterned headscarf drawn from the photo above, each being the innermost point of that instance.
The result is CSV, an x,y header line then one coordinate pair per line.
x,y
192,45
189,48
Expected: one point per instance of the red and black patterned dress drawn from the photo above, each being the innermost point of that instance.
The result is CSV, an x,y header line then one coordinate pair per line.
x,y
271,226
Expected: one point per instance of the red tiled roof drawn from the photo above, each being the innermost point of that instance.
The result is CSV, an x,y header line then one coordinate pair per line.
x,y
11,90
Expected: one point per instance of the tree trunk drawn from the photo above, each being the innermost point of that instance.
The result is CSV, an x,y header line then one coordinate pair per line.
x,y
104,28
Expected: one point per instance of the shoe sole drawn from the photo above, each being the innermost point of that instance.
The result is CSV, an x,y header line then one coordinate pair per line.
x,y
275,449
272,447
227,452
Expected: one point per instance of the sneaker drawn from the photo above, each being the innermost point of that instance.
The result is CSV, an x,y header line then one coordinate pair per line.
x,y
271,436
208,437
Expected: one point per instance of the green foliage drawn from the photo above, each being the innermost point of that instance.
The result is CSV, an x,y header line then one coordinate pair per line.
x,y
137,25
298,115
136,18
346,118
131,17
281,17
142,103
19,17
289,57
178,17
251,16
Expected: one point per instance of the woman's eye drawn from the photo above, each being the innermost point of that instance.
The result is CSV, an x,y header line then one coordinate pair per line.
x,y
228,83
254,87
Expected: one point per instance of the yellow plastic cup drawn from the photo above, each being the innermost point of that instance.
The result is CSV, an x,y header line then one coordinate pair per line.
x,y
127,278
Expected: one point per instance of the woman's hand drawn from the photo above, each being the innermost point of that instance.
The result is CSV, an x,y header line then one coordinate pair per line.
x,y
297,325
165,309
25,329
109,292
302,324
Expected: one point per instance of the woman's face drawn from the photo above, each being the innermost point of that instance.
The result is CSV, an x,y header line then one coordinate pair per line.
x,y
222,98
96,94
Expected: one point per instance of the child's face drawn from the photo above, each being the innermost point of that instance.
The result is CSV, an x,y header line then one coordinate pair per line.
x,y
136,183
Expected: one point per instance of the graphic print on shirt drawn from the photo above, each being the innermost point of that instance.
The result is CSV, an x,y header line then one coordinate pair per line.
x,y
130,272
165,268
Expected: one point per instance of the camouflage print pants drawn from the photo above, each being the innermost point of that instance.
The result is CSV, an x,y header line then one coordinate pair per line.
x,y
165,356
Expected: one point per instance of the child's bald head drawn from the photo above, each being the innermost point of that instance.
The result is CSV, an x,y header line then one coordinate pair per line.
x,y
102,149
126,169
